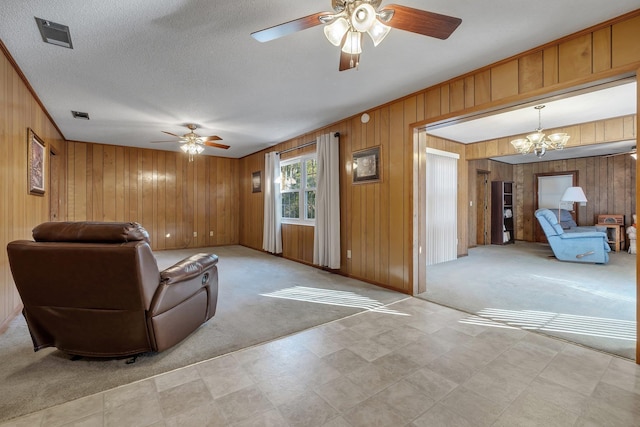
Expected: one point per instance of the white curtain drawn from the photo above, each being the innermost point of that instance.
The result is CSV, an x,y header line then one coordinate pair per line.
x,y
442,205
272,234
326,239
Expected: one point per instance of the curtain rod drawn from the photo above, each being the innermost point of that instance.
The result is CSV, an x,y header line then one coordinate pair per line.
x,y
306,144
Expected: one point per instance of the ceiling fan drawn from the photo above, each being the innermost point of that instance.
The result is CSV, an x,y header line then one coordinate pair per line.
x,y
192,143
350,18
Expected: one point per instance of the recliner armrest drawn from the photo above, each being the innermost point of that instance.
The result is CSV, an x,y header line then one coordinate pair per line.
x,y
188,268
583,235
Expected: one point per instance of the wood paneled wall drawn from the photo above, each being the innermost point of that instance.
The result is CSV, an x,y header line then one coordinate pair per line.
x,y
608,182
20,211
377,218
170,196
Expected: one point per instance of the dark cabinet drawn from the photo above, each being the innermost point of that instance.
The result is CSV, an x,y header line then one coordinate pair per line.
x,y
502,212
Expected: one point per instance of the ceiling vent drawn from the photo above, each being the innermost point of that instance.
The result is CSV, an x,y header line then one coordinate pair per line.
x,y
80,115
53,33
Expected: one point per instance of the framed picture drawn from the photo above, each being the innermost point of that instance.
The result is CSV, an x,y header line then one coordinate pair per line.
x,y
36,163
366,166
256,182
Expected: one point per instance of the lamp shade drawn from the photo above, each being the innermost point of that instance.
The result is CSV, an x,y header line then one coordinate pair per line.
x,y
574,194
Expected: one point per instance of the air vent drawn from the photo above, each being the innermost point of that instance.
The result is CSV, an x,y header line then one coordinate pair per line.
x,y
80,115
54,33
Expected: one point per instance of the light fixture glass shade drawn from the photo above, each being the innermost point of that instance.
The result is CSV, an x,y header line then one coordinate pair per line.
x,y
378,31
558,140
352,43
521,144
335,31
535,137
574,194
363,17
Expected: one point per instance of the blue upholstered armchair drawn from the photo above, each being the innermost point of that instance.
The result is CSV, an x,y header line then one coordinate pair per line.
x,y
587,246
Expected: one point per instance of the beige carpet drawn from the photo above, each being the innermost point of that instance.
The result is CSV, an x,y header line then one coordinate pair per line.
x,y
525,286
261,297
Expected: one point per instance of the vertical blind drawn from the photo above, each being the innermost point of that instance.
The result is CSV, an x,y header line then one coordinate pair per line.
x,y
442,206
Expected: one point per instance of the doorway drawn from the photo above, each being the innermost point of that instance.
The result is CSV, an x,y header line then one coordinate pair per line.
x,y
556,280
482,208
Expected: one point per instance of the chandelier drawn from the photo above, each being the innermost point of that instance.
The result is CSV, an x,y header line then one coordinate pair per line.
x,y
538,142
357,17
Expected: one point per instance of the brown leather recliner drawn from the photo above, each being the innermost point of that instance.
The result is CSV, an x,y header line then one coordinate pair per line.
x,y
94,289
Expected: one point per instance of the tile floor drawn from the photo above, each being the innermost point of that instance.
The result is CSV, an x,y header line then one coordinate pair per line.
x,y
417,366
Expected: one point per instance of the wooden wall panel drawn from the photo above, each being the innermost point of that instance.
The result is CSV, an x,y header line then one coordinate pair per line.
x,y
457,95
504,80
530,76
550,66
602,50
575,58
624,42
170,196
482,87
20,211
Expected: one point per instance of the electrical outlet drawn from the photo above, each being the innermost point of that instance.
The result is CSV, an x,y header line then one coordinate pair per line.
x,y
195,234
348,253
211,234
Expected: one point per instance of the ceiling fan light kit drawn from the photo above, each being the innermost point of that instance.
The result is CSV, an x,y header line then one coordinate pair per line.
x,y
193,144
538,142
351,18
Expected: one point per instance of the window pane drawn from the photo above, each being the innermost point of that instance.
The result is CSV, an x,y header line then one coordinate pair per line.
x,y
312,172
291,205
291,175
311,204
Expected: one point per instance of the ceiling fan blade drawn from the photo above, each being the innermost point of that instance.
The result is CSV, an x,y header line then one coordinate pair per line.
x,y
172,134
348,61
290,27
215,144
422,22
211,138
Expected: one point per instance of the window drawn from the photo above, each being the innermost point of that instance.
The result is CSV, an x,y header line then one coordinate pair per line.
x,y
298,189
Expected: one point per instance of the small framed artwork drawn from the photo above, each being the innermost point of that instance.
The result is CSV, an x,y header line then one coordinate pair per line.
x,y
366,166
256,182
36,163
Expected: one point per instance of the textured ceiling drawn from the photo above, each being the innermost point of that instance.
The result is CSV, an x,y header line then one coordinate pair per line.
x,y
140,67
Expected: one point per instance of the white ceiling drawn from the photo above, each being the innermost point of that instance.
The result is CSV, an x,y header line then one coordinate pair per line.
x,y
611,100
140,67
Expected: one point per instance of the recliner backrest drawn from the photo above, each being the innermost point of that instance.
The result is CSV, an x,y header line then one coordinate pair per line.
x,y
549,222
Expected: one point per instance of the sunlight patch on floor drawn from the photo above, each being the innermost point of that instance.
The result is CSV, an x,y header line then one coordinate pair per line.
x,y
332,297
556,322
